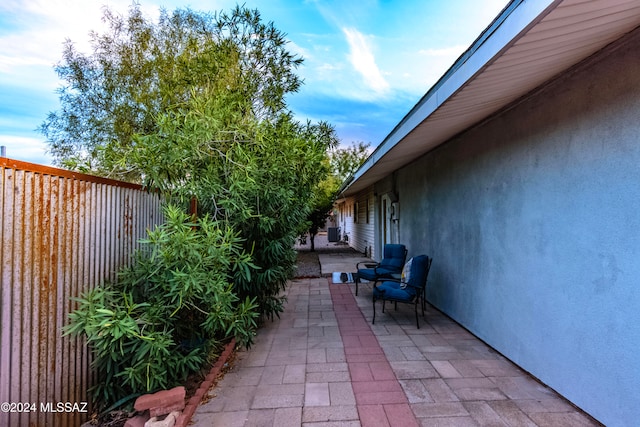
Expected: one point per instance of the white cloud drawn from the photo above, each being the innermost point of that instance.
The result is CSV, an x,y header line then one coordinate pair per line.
x,y
43,25
414,71
29,47
26,149
10,62
362,59
296,49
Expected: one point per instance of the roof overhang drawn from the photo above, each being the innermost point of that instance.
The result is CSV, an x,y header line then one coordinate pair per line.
x,y
529,43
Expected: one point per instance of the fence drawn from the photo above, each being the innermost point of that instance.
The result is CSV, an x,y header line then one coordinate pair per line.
x,y
62,233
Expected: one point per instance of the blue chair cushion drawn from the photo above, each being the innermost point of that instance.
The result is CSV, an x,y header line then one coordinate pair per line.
x,y
393,290
393,258
367,274
372,274
382,271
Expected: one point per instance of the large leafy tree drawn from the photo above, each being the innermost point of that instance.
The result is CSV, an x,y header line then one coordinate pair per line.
x,y
258,176
140,69
195,104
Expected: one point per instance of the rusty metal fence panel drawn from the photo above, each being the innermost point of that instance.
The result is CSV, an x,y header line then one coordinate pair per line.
x,y
62,234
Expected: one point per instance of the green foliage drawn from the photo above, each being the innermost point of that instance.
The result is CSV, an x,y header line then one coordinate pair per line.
x,y
140,69
346,161
159,322
340,165
258,176
194,105
275,203
322,204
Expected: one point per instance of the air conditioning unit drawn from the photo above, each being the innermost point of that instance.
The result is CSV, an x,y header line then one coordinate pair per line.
x,y
333,234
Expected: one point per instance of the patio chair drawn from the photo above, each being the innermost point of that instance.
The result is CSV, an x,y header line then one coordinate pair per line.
x,y
410,291
393,259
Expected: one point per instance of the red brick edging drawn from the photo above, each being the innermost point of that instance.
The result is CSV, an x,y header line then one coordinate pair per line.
x,y
195,400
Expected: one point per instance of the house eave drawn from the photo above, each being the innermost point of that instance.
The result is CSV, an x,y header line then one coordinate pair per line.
x,y
528,44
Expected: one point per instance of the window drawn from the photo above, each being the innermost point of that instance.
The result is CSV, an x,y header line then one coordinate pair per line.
x,y
355,212
367,211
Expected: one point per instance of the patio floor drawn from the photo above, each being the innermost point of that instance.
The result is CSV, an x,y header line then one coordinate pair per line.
x,y
323,364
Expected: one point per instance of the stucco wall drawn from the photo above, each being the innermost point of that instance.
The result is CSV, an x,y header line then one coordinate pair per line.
x,y
533,221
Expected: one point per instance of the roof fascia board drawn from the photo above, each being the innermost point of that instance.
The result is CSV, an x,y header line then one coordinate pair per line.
x,y
516,17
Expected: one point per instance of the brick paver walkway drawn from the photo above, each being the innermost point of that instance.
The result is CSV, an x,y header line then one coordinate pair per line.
x,y
380,399
323,364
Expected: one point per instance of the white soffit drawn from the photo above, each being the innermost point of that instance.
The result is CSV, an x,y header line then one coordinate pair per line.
x,y
528,44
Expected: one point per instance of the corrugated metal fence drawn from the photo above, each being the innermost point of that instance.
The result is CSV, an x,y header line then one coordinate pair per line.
x,y
62,233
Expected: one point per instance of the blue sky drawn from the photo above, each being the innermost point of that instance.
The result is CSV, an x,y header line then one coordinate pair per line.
x,y
367,62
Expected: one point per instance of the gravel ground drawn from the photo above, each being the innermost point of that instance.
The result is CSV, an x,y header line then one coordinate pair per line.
x,y
307,262
307,265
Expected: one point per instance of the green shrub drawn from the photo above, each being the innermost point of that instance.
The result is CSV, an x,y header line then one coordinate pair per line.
x,y
168,310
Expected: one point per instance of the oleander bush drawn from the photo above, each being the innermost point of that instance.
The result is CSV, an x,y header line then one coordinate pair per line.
x,y
167,311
